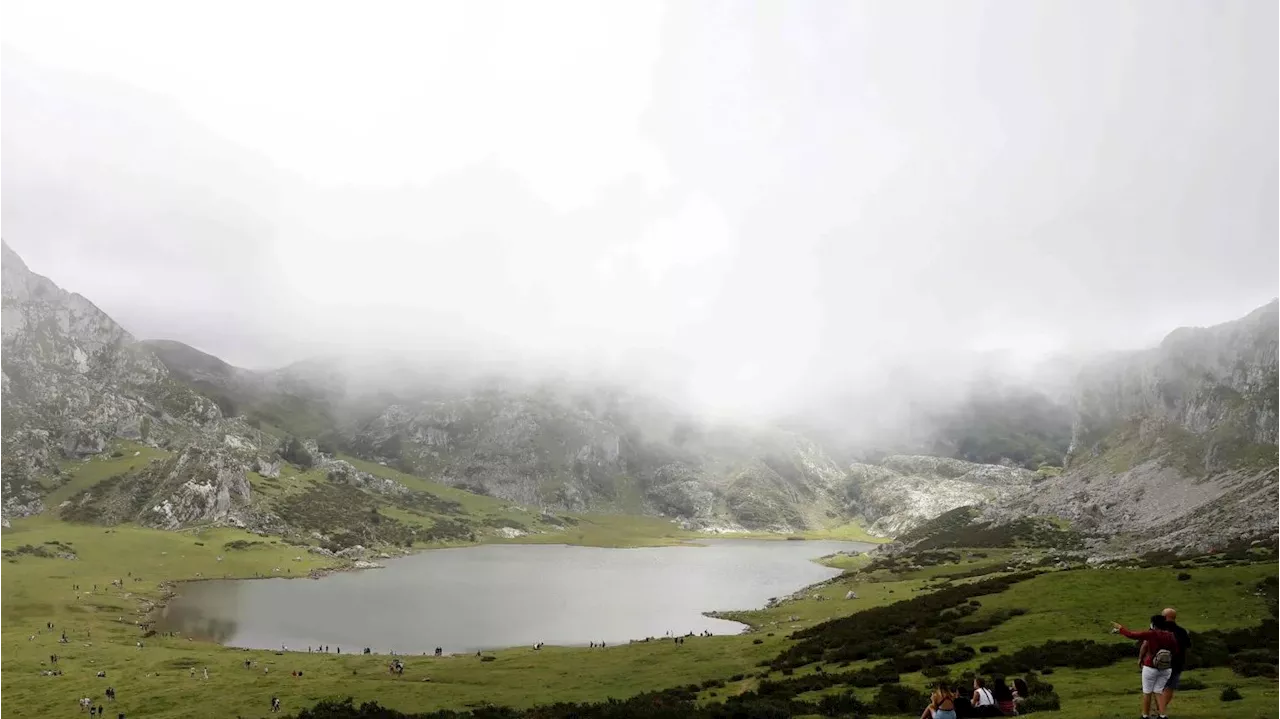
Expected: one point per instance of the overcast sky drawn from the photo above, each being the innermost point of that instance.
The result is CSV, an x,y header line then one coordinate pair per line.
x,y
758,198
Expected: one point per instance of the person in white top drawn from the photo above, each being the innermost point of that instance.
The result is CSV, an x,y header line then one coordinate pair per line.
x,y
982,696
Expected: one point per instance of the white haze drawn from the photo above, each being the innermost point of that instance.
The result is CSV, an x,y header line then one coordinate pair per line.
x,y
756,202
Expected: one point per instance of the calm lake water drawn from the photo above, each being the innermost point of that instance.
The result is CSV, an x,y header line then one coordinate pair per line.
x,y
493,596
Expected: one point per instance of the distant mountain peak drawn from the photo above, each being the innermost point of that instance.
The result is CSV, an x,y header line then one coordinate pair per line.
x,y
10,259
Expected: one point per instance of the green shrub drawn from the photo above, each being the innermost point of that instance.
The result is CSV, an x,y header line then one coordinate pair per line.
x,y
1231,694
840,705
1191,685
295,453
1041,703
1076,653
898,699
1183,577
897,629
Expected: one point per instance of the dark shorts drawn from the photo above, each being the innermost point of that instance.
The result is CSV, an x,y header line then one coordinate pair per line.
x,y
1173,679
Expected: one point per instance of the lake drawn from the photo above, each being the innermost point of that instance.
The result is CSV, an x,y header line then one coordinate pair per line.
x,y
492,596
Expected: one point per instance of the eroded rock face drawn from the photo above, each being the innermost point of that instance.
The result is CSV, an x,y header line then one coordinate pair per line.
x,y
73,380
202,488
594,451
905,491
198,486
1174,447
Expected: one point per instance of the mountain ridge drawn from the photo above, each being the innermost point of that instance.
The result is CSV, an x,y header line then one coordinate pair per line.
x,y
74,381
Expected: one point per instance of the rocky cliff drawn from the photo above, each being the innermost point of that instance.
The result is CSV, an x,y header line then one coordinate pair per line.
x,y
598,449
1173,447
903,492
72,380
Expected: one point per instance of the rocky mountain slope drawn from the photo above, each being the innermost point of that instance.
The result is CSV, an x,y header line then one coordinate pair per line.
x,y
1173,448
75,382
903,492
547,443
83,400
72,380
598,448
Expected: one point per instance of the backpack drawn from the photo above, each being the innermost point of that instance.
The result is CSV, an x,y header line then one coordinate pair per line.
x,y
1162,660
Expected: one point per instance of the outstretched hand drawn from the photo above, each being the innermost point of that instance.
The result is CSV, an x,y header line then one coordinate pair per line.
x,y
1116,626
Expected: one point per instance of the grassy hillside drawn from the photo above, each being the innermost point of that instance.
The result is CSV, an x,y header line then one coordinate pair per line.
x,y
155,681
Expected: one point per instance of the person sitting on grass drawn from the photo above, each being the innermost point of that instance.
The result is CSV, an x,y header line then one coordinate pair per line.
x,y
1004,697
1157,661
984,702
942,704
1020,691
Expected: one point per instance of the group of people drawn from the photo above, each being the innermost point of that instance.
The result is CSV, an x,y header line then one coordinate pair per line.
x,y
97,710
997,700
1161,657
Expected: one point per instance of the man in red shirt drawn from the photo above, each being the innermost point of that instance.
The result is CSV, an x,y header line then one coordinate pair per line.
x,y
1157,664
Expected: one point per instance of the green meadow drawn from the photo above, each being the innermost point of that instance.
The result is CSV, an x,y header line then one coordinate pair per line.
x,y
166,677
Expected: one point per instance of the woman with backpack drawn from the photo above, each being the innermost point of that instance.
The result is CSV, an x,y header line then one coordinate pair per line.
x,y
1157,663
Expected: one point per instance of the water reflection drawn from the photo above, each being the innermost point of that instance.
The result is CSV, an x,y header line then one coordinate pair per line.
x,y
504,595
211,619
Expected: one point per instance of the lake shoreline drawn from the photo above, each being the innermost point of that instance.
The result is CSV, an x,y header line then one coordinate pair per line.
x,y
171,590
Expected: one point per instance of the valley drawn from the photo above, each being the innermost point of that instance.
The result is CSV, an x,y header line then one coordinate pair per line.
x,y
1015,519
1052,595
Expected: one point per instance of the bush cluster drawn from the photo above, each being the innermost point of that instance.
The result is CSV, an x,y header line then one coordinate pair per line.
x,y
1075,653
898,629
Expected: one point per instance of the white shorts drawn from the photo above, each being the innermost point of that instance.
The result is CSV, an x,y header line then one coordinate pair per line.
x,y
1153,680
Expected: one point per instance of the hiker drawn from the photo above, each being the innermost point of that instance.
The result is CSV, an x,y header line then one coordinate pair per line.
x,y
1157,661
102,675
942,704
275,704
1179,657
111,694
1004,696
